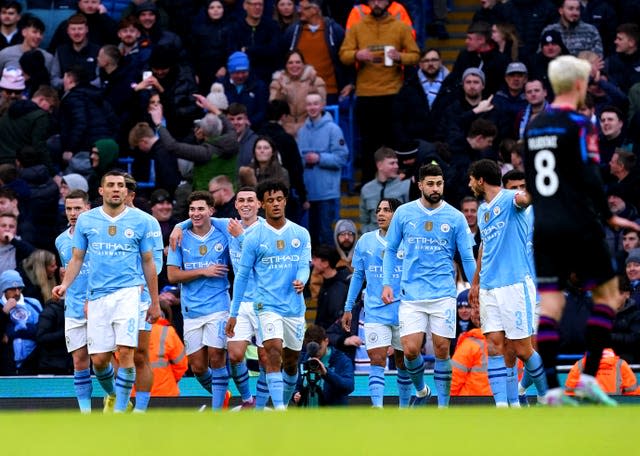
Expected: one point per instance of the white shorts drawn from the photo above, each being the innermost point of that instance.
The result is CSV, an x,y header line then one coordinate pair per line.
x,y
380,335
289,329
510,309
75,333
143,324
112,320
246,325
205,331
418,316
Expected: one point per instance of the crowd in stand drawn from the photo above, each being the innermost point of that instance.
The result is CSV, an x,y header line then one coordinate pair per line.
x,y
227,93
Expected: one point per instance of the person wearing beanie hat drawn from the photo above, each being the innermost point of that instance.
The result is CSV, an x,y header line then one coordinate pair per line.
x,y
238,62
21,315
473,72
345,236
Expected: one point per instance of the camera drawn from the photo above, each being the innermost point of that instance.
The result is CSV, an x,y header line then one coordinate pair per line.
x,y
312,365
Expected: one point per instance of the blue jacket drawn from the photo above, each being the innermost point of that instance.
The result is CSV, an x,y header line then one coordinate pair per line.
x,y
339,381
325,138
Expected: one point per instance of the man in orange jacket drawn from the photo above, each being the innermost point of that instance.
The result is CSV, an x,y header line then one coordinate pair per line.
x,y
469,362
358,12
614,375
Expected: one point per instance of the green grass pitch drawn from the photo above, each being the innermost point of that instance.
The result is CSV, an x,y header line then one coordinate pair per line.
x,y
351,431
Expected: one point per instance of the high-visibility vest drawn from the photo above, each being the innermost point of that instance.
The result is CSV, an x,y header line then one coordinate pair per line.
x,y
469,365
614,375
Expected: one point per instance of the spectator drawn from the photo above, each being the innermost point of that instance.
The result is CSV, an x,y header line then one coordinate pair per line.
x,y
490,11
319,39
43,199
335,284
224,197
264,165
480,52
285,14
176,85
28,123
577,35
12,249
345,236
551,46
511,99
379,46
530,17
421,100
618,205
102,28
614,375
387,184
611,136
32,32
464,321
135,54
78,51
166,354
536,96
623,67
622,167
243,87
277,110
53,357
603,92
324,153
334,376
292,85
34,71
11,88
215,145
258,37
38,271
506,38
469,362
21,319
104,154
469,208
79,130
10,12
625,335
210,45
153,28
246,136
162,210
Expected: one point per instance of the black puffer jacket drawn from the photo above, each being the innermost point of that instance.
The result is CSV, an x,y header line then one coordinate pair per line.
x,y
85,117
625,336
530,17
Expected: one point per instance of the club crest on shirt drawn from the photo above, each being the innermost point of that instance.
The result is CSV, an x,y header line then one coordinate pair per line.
x,y
112,230
218,247
496,210
280,244
259,306
295,243
428,226
128,233
486,217
202,249
445,228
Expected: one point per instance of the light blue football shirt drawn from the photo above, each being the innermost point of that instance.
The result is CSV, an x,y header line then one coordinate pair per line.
x,y
155,232
77,292
114,245
430,238
367,264
235,251
204,295
277,257
505,233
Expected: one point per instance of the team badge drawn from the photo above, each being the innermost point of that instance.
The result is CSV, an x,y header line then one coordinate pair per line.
x,y
400,254
280,244
486,217
202,249
496,210
428,226
372,337
295,243
259,306
218,247
128,233
445,228
269,328
112,230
